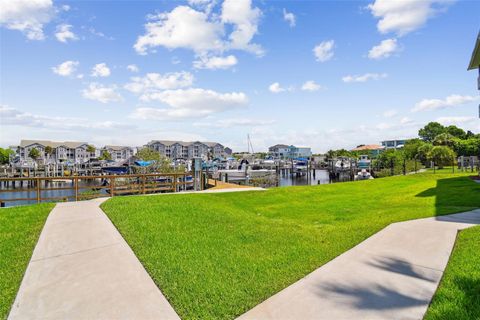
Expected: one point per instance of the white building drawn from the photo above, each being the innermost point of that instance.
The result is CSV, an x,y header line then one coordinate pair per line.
x,y
54,152
118,152
188,150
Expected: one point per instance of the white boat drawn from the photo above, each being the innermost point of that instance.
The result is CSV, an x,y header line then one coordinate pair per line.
x,y
363,175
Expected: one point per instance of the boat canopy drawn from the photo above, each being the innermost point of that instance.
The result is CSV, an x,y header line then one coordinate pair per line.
x,y
301,159
142,163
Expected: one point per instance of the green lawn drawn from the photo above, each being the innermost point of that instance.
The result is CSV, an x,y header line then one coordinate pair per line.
x,y
219,255
458,296
19,231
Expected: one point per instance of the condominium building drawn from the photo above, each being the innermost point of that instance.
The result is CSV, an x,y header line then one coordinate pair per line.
x,y
188,150
52,151
118,152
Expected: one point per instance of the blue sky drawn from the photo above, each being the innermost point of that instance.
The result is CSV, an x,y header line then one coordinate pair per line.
x,y
326,74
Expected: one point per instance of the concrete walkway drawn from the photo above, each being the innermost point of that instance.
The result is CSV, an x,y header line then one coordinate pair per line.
x,y
391,275
82,268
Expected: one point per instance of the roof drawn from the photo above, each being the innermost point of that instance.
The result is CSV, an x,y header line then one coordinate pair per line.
x,y
53,144
279,146
183,143
117,148
368,147
475,60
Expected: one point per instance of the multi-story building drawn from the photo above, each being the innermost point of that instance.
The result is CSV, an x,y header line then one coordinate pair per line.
x,y
283,151
394,144
118,152
188,150
52,152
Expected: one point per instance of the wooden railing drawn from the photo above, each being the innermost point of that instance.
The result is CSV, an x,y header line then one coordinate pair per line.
x,y
36,189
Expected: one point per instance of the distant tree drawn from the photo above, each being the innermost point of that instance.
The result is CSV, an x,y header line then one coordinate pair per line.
x,y
162,163
331,154
456,132
105,155
430,131
423,152
5,155
467,147
411,148
34,153
444,139
147,154
90,149
442,156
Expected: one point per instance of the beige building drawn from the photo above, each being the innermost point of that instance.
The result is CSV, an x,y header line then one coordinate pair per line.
x,y
188,150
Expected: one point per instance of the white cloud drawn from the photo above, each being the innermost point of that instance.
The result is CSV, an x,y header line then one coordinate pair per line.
x,y
236,122
15,117
205,62
101,93
155,82
27,16
405,16
66,68
190,103
455,120
244,19
289,17
63,33
406,120
132,68
276,88
383,50
311,86
183,27
100,70
205,33
390,113
450,101
324,50
364,77
66,7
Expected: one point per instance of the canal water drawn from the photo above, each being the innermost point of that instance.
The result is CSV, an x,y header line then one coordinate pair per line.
x,y
320,177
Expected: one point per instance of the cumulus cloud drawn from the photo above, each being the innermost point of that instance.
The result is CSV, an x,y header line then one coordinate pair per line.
x,y
66,68
155,82
101,93
276,88
383,50
311,86
205,62
324,50
100,70
132,68
63,33
453,100
205,33
27,16
364,77
190,103
402,17
289,17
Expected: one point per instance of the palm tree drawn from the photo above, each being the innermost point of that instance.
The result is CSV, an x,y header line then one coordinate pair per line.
x,y
91,150
34,154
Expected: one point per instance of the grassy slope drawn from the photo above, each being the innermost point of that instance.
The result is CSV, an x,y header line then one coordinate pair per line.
x,y
19,231
458,296
218,255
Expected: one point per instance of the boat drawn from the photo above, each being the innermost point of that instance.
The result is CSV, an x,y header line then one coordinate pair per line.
x,y
115,169
363,175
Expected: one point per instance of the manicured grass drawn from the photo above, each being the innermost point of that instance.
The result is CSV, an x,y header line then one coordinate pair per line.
x,y
216,256
458,296
19,231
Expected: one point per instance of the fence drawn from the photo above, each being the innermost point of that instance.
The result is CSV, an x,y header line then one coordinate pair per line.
x,y
39,189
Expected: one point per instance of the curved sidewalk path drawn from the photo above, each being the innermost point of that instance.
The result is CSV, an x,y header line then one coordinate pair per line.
x,y
391,275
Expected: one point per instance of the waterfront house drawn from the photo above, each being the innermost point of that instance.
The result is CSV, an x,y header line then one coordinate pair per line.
x,y
394,144
372,149
284,152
